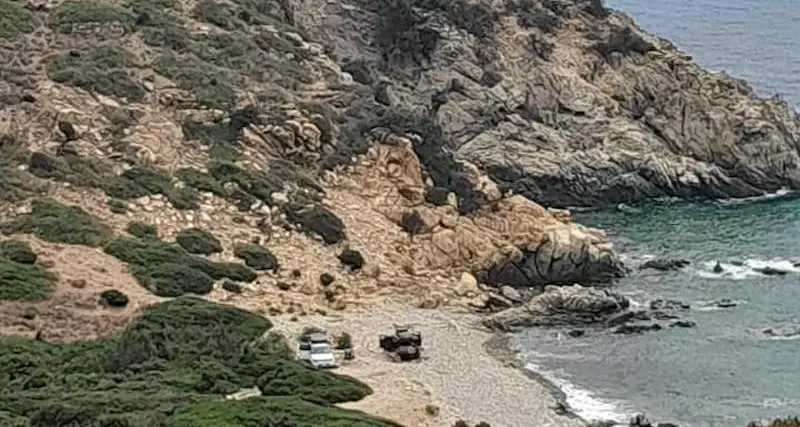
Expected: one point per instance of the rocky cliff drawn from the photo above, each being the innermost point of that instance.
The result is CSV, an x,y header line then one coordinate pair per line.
x,y
564,101
354,151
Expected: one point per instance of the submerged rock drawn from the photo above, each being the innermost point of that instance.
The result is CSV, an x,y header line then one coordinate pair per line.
x,y
566,305
664,264
770,271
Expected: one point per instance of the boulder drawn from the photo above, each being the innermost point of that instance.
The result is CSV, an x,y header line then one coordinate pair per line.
x,y
564,305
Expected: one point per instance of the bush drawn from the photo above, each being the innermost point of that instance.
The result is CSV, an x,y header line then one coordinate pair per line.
x,y
169,368
231,287
208,83
316,219
198,241
219,14
352,259
75,170
17,251
344,341
117,206
255,256
23,282
100,70
58,223
113,298
142,230
15,20
167,269
72,14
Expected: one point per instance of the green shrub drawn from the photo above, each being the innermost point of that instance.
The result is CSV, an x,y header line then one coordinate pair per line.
x,y
15,185
169,368
184,198
139,182
15,20
72,14
167,269
76,170
17,251
344,341
198,241
100,70
266,411
209,84
255,256
58,223
201,181
142,230
23,282
117,206
219,14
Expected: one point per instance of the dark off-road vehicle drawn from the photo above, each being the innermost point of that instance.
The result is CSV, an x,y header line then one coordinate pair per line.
x,y
404,345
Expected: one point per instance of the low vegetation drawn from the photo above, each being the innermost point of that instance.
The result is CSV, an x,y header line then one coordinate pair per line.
x,y
168,270
20,278
17,251
142,230
171,368
102,69
256,256
15,19
133,183
22,281
14,184
198,241
51,221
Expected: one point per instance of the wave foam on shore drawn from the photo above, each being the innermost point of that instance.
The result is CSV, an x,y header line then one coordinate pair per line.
x,y
580,401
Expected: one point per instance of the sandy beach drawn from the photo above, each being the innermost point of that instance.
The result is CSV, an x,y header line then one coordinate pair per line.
x,y
465,372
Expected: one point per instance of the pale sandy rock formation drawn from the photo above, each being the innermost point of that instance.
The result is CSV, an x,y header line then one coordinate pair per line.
x,y
510,241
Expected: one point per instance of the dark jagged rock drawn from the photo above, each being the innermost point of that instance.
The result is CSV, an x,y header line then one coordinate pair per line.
x,y
413,223
683,324
637,329
664,264
352,259
661,304
576,333
318,220
726,303
437,196
770,271
547,265
718,268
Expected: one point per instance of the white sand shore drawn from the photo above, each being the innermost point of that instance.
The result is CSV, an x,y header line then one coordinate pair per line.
x,y
457,373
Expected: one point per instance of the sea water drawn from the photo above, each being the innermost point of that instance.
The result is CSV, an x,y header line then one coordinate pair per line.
x,y
725,371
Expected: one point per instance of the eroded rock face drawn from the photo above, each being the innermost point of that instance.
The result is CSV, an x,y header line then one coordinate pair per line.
x,y
564,305
579,108
510,241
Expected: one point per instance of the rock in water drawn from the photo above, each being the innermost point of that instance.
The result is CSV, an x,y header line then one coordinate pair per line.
x,y
718,268
664,264
561,305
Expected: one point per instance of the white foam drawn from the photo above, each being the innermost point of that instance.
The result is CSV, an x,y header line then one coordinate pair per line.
x,y
582,402
746,269
783,192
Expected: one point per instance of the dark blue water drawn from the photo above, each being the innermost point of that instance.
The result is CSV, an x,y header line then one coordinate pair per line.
x,y
755,40
724,372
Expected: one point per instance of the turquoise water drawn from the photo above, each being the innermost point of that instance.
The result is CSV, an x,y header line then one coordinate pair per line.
x,y
724,372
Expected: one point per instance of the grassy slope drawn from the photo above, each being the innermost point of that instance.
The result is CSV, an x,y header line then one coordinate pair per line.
x,y
172,367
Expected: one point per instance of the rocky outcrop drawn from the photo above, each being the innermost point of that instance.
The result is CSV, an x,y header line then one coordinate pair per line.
x,y
595,111
565,305
509,241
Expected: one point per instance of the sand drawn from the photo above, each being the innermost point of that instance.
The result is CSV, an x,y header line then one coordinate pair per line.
x,y
465,372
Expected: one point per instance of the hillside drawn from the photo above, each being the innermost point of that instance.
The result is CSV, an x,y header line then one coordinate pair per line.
x,y
298,157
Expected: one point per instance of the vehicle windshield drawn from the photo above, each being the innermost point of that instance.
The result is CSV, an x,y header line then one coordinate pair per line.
x,y
320,349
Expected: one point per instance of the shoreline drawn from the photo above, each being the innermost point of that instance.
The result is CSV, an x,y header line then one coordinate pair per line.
x,y
466,372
